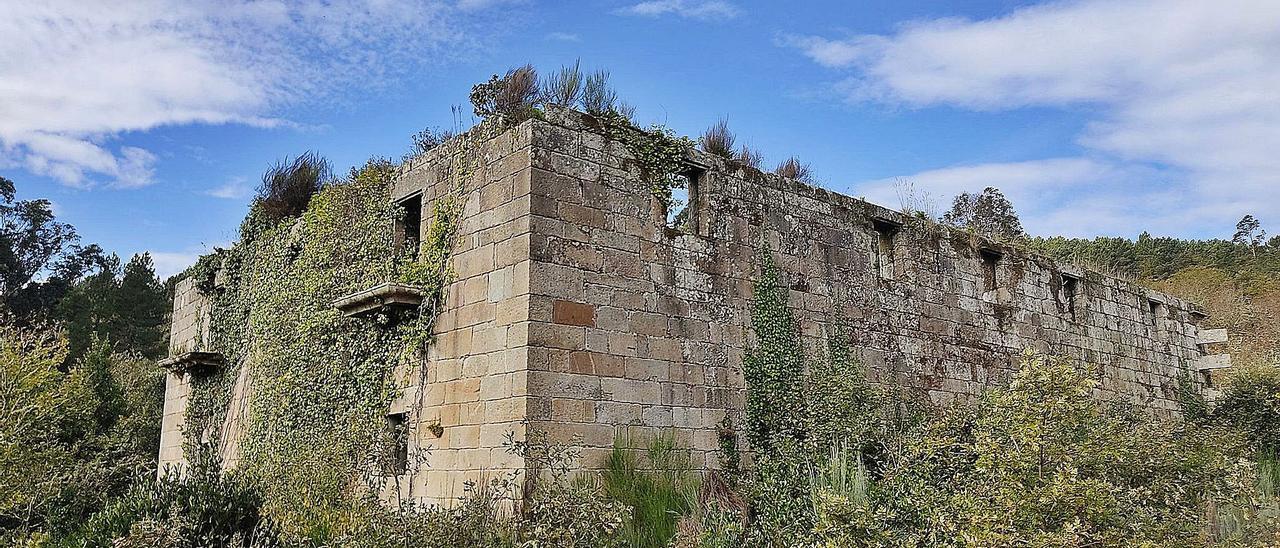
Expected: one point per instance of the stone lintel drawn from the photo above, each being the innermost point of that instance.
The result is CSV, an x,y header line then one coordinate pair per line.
x,y
381,297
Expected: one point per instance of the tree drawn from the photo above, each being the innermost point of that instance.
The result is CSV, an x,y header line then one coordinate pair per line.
x,y
34,243
125,309
989,214
1249,232
70,438
143,306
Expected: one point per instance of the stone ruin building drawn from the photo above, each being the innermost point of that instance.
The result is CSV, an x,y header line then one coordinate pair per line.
x,y
577,309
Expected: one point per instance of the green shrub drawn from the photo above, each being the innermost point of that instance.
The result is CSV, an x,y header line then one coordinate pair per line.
x,y
1043,462
659,484
562,508
198,506
1251,403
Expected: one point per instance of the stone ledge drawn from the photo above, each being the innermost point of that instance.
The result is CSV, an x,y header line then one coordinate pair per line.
x,y
383,297
1213,361
195,363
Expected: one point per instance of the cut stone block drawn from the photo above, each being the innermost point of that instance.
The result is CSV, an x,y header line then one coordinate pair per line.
x,y
384,297
1211,336
194,363
1213,361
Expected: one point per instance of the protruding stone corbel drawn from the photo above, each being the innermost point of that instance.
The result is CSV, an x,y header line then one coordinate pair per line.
x,y
1213,361
194,363
1211,336
384,297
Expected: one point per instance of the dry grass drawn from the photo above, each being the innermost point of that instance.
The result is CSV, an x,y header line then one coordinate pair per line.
x,y
718,140
564,87
597,96
287,187
792,168
749,157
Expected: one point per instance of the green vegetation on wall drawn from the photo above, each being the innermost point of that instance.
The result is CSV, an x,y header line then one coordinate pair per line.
x,y
321,383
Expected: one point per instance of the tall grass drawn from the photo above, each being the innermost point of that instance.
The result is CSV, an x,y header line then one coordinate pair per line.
x,y
842,474
718,139
658,483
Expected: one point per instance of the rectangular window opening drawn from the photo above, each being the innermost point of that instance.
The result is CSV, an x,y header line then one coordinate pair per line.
x,y
1070,290
409,223
884,259
1156,312
682,210
398,432
990,262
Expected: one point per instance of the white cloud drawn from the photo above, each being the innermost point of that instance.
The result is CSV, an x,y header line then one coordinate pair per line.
x,y
694,9
563,37
75,75
1180,84
1061,196
237,188
167,264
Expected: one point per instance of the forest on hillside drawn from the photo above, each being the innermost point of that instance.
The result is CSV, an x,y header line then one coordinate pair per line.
x,y
818,457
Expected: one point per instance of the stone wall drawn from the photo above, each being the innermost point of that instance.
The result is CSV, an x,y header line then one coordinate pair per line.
x,y
188,331
638,328
575,309
475,381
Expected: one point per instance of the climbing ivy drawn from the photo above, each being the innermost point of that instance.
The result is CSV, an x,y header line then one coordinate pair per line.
x,y
321,383
658,151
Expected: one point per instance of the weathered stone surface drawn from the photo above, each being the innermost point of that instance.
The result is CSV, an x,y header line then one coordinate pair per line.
x,y
576,311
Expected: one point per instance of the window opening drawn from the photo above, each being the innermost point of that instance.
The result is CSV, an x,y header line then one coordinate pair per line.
x,y
409,225
990,262
682,209
885,233
398,431
1070,289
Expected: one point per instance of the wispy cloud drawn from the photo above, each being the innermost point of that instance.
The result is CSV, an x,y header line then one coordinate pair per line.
x,y
76,75
1184,85
237,188
693,9
167,264
563,37
1068,196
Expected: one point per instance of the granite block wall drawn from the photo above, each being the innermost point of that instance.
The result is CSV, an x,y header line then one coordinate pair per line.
x,y
577,308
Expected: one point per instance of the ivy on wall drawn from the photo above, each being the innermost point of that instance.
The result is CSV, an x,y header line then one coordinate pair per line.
x,y
321,382
658,151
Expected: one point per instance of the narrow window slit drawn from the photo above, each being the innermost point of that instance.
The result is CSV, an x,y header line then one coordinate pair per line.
x,y
990,262
884,246
409,223
398,432
1070,289
682,210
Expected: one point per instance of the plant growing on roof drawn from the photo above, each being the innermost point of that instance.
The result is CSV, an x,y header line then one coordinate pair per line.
x,y
792,168
597,96
564,87
749,157
718,140
512,98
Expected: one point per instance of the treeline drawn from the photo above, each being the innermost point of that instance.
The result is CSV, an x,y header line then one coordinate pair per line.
x,y
49,278
80,395
1156,258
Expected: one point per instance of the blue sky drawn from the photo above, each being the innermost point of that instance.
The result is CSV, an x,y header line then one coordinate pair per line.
x,y
149,124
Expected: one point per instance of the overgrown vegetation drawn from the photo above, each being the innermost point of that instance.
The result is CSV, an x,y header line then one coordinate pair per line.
x,y
792,168
829,459
718,140
70,439
988,214
658,483
288,186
